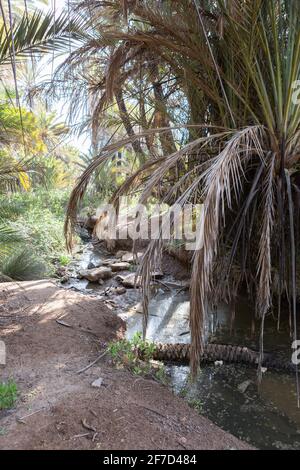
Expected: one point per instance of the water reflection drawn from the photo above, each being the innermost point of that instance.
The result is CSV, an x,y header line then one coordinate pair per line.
x,y
265,415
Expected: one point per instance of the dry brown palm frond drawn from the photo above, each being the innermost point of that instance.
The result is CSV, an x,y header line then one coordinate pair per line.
x,y
80,187
164,164
240,142
172,159
264,263
223,181
264,259
237,64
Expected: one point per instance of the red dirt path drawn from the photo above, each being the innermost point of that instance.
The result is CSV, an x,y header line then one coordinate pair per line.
x,y
42,356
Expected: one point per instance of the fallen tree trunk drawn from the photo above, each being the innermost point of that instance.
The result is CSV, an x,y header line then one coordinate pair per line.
x,y
180,352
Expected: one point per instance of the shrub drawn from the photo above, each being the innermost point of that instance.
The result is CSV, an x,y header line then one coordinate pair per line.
x,y
8,394
137,356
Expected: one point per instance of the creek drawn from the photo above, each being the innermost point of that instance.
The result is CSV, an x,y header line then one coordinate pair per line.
x,y
266,414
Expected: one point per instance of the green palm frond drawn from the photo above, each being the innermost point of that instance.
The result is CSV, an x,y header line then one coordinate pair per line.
x,y
38,34
22,265
8,235
235,64
9,239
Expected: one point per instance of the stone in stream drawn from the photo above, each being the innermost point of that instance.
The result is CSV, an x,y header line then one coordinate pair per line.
x,y
131,280
130,257
93,275
120,290
218,363
94,264
138,308
244,385
120,266
108,261
114,290
157,274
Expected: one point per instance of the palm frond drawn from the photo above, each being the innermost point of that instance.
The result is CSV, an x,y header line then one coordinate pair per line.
x,y
38,34
22,265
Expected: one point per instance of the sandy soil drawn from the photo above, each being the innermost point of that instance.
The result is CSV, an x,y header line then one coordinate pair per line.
x,y
59,408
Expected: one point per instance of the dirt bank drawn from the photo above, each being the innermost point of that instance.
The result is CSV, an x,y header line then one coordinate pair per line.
x,y
60,408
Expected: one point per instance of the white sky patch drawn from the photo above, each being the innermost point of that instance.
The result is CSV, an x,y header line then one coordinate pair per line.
x,y
45,69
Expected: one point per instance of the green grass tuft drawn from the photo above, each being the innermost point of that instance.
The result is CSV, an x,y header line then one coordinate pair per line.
x,y
196,404
125,353
8,394
23,265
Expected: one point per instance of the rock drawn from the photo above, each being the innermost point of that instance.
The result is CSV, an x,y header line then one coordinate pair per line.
x,y
120,253
182,285
138,308
84,234
61,271
110,307
130,257
244,385
93,275
120,290
121,266
114,290
130,280
91,266
182,440
157,274
218,363
101,282
97,383
108,262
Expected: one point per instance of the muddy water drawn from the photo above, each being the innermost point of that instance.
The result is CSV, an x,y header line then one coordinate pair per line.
x,y
266,416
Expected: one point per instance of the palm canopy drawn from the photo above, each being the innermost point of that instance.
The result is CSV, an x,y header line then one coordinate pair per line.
x,y
35,34
236,64
22,37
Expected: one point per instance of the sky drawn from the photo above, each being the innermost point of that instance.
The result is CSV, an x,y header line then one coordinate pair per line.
x,y
81,142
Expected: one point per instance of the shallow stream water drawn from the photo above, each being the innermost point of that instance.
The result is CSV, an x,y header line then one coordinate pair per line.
x,y
265,415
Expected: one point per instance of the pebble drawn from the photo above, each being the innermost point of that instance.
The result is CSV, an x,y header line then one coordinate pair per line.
x,y
97,383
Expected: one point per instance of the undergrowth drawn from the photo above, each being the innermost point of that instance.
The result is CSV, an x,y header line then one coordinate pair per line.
x,y
136,355
37,217
8,394
196,404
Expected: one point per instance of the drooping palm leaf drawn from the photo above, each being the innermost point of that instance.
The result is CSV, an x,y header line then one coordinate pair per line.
x,y
37,34
22,265
234,62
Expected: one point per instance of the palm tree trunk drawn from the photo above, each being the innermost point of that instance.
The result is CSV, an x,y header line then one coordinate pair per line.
x,y
128,126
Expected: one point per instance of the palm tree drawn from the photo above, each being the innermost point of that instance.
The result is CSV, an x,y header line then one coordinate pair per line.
x,y
237,65
23,36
